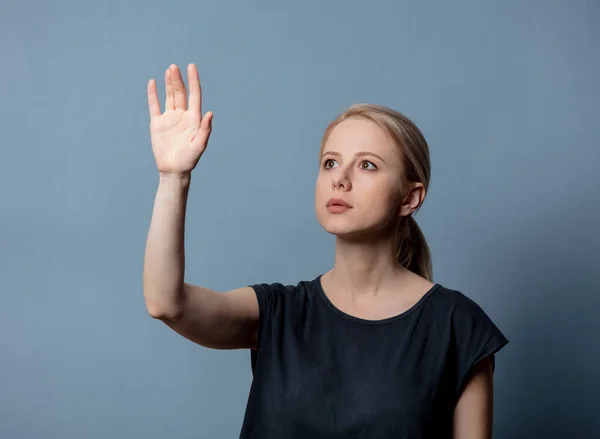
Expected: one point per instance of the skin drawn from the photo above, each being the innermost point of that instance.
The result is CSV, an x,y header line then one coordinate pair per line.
x,y
473,414
361,165
366,280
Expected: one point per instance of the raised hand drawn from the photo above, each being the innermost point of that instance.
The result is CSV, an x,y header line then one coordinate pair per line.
x,y
179,136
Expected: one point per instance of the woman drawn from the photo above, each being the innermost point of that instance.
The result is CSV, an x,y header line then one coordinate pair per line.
x,y
371,349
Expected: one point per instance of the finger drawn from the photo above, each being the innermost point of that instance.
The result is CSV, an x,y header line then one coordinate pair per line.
x,y
200,139
170,95
206,124
195,89
179,87
153,104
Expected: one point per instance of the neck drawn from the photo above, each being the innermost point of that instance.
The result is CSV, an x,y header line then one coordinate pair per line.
x,y
365,268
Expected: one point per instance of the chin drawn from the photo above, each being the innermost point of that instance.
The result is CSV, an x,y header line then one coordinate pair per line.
x,y
339,231
349,234
339,225
344,226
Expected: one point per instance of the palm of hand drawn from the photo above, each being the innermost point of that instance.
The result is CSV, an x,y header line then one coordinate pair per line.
x,y
174,142
179,136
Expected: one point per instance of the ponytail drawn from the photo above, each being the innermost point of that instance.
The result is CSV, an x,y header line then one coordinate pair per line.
x,y
412,249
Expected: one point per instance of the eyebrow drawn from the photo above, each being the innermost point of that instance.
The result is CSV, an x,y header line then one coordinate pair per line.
x,y
358,154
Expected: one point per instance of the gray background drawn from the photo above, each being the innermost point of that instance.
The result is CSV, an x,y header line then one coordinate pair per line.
x,y
507,94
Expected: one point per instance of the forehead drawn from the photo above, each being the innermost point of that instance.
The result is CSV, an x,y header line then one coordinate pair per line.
x,y
357,134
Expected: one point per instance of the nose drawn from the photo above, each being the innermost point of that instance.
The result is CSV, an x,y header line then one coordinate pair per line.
x,y
341,182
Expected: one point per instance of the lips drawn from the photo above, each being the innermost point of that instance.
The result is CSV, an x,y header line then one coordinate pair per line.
x,y
338,202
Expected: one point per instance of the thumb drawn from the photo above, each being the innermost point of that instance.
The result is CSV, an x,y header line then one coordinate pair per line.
x,y
200,139
206,124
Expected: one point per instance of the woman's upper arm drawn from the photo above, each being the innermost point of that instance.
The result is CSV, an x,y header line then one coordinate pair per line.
x,y
218,320
473,414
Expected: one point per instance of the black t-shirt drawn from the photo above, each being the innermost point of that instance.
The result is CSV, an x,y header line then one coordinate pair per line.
x,y
321,373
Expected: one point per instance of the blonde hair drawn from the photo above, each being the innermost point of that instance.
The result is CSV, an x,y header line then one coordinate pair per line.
x,y
412,251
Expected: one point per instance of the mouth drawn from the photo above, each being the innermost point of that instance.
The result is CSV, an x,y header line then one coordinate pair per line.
x,y
338,202
337,205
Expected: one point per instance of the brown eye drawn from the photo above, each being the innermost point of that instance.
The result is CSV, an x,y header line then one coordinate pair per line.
x,y
366,162
326,163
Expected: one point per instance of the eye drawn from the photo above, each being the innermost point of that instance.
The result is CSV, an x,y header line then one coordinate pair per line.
x,y
362,165
326,163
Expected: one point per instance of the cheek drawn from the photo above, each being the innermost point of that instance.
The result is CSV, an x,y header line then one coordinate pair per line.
x,y
379,200
323,184
375,190
320,193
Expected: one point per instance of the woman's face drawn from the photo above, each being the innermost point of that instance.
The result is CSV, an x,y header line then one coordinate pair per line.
x,y
361,166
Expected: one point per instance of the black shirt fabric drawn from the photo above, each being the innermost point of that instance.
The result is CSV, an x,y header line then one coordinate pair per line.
x,y
321,373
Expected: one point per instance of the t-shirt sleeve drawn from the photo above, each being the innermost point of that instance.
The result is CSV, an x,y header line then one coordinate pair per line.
x,y
476,337
270,302
268,297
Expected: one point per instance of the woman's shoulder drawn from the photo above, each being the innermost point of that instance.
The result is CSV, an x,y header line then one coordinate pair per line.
x,y
465,315
287,286
285,290
456,301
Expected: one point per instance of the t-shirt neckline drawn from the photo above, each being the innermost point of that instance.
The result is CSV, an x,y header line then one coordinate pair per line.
x,y
329,304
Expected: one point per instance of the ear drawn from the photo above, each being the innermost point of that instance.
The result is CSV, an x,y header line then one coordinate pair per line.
x,y
413,199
